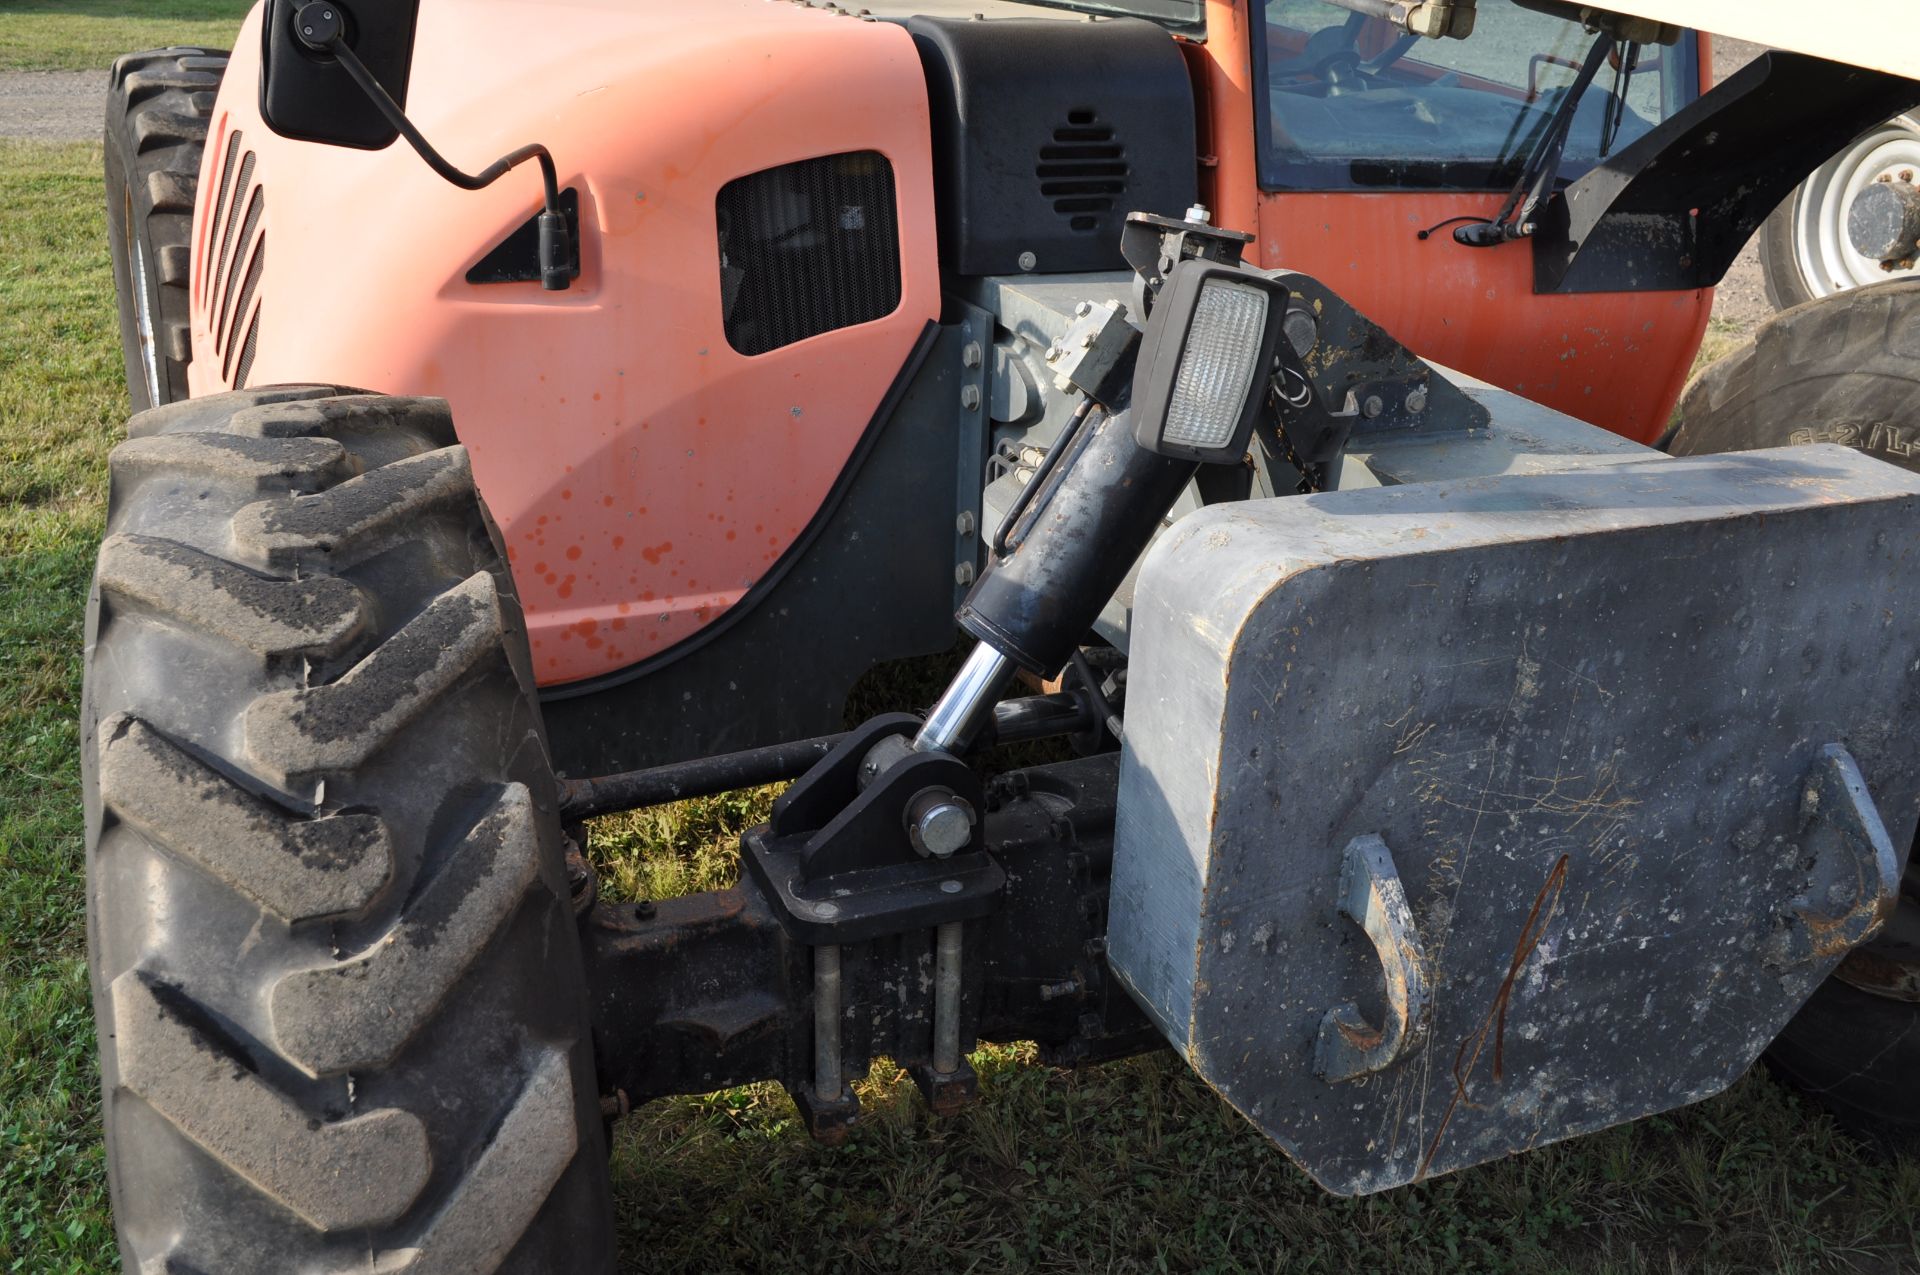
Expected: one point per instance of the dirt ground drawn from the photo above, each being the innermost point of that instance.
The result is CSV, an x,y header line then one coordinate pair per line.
x,y
52,106
63,106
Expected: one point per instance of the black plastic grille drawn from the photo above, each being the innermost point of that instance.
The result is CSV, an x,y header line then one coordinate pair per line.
x,y
242,311
218,228
807,248
233,200
237,232
247,350
1083,170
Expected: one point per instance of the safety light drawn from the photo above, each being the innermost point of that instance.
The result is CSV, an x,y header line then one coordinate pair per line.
x,y
1201,380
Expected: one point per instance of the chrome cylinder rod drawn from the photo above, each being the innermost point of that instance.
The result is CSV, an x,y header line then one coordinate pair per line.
x,y
966,702
946,998
827,1081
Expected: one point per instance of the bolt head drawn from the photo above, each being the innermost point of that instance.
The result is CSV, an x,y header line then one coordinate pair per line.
x,y
1028,261
970,397
970,354
1373,406
1417,401
963,574
943,828
950,887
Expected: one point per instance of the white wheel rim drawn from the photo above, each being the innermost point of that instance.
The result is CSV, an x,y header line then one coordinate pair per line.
x,y
143,307
1822,251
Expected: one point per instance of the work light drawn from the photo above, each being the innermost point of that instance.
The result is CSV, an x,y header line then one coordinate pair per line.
x,y
1201,379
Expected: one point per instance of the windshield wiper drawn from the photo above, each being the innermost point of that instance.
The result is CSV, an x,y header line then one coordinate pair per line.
x,y
1515,218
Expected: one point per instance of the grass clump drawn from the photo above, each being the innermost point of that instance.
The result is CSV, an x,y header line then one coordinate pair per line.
x,y
87,35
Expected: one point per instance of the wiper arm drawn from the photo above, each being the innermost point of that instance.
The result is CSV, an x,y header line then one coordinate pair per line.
x,y
1515,218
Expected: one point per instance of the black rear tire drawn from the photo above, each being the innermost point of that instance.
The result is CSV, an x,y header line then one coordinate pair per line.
x,y
1780,270
158,106
341,1008
1842,369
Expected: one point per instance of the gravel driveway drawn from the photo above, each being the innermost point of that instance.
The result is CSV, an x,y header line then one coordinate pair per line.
x,y
52,106
67,106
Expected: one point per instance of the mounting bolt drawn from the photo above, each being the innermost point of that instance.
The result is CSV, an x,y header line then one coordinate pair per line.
x,y
963,525
1028,261
320,27
1373,406
1199,215
1906,174
970,397
963,574
1417,400
939,823
970,354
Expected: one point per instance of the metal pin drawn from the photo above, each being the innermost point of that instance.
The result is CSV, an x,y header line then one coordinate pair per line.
x,y
826,1023
946,998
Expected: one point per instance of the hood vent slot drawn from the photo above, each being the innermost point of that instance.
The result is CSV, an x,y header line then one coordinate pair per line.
x,y
1083,170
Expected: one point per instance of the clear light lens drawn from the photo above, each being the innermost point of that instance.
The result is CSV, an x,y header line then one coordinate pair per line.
x,y
1217,368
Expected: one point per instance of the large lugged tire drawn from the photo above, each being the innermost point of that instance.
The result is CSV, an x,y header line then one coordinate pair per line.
x,y
1841,369
158,105
341,1008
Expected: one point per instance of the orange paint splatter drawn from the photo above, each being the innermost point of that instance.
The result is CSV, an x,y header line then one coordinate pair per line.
x,y
618,541
654,554
573,553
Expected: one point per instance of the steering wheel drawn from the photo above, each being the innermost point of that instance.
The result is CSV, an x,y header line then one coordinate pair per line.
x,y
1332,57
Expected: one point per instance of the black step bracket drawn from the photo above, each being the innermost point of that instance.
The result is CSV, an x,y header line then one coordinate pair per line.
x,y
516,259
835,859
1672,210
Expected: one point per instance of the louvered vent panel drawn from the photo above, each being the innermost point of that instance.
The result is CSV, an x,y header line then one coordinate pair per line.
x,y
1083,170
807,248
230,300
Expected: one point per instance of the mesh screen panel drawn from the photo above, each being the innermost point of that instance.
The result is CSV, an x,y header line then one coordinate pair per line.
x,y
807,248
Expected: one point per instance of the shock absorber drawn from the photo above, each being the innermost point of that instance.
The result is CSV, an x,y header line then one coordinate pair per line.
x,y
1199,386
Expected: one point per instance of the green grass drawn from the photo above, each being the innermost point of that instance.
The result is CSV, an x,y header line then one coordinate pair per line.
x,y
87,35
62,399
1131,1167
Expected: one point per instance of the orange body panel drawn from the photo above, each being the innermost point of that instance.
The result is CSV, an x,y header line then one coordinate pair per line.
x,y
1618,360
1615,359
643,472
